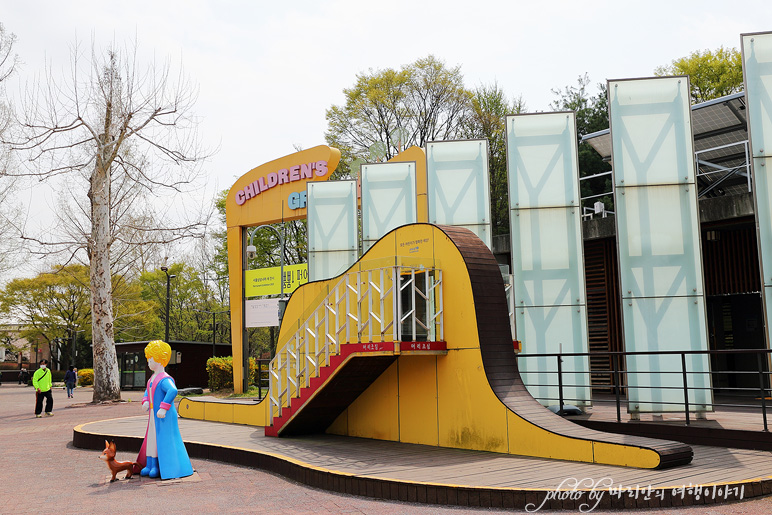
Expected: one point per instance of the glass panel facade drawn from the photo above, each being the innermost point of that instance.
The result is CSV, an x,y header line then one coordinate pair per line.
x,y
666,324
388,199
658,230
552,330
757,72
457,185
332,228
658,234
547,255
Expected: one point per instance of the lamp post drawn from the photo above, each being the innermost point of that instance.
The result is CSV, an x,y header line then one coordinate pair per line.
x,y
214,322
168,300
74,334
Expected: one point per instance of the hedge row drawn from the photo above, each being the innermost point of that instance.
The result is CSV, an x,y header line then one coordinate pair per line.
x,y
220,372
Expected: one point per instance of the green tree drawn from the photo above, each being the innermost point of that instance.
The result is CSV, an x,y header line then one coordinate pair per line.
x,y
54,306
487,119
591,116
50,307
712,73
387,111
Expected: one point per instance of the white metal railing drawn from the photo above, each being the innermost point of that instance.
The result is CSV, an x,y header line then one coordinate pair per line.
x,y
384,304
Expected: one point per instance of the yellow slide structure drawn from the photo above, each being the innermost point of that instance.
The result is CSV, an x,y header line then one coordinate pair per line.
x,y
458,387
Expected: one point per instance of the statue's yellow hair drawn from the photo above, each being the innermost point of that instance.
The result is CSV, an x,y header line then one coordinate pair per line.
x,y
160,351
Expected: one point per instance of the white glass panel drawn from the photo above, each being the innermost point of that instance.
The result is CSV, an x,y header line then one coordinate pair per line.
x,y
658,239
547,257
388,199
657,224
324,265
541,150
764,214
332,227
457,184
665,324
757,67
651,131
553,330
332,215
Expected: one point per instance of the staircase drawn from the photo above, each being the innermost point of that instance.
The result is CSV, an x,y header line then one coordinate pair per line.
x,y
354,334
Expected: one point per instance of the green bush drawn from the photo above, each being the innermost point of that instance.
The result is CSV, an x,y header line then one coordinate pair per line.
x,y
57,376
220,372
85,376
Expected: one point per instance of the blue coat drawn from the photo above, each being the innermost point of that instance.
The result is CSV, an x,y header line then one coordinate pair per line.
x,y
173,460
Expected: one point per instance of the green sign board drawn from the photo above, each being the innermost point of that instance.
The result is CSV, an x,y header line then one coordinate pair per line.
x,y
267,281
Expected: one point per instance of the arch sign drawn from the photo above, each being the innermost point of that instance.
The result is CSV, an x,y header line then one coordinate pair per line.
x,y
271,193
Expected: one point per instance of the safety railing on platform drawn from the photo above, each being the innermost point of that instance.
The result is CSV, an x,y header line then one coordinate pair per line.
x,y
742,386
398,303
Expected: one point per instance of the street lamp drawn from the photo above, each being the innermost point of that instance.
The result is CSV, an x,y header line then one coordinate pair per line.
x,y
168,299
214,325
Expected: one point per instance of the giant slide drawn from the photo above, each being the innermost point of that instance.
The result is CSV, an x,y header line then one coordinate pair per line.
x,y
349,362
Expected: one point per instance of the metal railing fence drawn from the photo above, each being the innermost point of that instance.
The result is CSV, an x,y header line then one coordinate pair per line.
x,y
746,388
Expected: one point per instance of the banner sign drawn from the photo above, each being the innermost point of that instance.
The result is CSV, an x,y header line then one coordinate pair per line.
x,y
267,281
261,313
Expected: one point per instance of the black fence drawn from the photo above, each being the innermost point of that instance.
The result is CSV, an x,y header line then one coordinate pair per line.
x,y
739,378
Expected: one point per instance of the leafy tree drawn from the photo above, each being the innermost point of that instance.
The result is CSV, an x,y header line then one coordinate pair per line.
x,y
54,307
395,109
591,116
50,307
127,135
712,73
190,307
487,119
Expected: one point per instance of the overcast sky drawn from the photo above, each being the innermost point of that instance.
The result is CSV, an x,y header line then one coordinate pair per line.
x,y
267,71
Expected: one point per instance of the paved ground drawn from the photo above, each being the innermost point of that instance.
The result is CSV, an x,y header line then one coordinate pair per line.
x,y
41,472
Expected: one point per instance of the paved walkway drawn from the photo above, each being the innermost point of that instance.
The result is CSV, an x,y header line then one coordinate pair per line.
x,y
41,471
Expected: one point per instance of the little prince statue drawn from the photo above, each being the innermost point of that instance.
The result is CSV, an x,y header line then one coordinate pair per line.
x,y
162,454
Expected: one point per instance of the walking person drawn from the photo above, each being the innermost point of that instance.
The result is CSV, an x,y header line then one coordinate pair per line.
x,y
70,377
41,381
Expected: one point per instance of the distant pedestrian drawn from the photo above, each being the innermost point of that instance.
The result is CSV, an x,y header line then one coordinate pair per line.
x,y
23,376
70,378
41,380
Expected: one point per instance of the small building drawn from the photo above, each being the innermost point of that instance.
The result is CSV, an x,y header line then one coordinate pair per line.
x,y
187,364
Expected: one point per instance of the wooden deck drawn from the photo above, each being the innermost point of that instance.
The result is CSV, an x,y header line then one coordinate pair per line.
x,y
419,473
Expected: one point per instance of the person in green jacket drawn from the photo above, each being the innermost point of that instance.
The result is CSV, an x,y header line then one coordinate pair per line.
x,y
41,381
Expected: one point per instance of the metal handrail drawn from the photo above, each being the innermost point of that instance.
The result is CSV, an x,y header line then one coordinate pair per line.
x,y
619,383
372,312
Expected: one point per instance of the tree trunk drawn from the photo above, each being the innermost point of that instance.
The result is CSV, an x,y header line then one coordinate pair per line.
x,y
106,377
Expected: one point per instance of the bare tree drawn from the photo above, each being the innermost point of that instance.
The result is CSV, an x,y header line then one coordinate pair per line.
x,y
127,132
8,62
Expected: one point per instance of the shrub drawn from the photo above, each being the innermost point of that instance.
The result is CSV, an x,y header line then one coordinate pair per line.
x,y
85,376
57,376
220,372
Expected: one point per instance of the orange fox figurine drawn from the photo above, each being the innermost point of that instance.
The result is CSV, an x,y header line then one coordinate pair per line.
x,y
116,466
